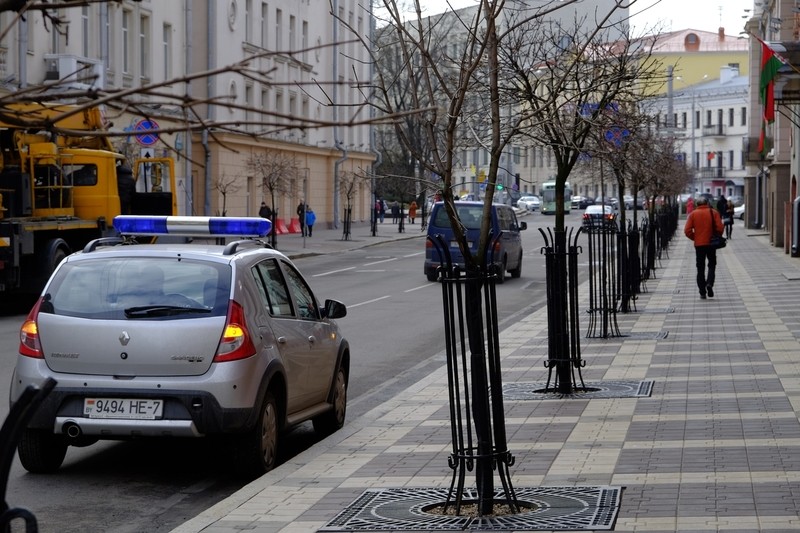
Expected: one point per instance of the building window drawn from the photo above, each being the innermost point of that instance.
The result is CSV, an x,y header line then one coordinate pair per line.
x,y
730,116
304,43
248,24
292,32
744,116
683,120
264,25
708,117
167,50
278,28
85,31
126,41
730,159
144,50
696,119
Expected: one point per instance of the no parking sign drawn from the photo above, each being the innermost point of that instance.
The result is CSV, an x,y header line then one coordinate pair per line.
x,y
150,137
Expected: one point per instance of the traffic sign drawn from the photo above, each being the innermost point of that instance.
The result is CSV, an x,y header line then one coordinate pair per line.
x,y
150,137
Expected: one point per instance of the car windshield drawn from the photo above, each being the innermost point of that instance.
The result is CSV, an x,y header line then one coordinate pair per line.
x,y
139,287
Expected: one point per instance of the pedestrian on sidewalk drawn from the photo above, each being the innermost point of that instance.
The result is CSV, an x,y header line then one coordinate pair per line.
x,y
265,211
412,211
301,217
395,212
729,212
701,225
311,217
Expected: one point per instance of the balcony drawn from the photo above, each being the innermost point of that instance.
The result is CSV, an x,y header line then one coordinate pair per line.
x,y
712,173
713,130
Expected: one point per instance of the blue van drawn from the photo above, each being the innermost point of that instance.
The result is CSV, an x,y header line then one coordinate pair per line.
x,y
508,250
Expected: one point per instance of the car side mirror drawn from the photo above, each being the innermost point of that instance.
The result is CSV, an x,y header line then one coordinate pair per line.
x,y
523,226
334,309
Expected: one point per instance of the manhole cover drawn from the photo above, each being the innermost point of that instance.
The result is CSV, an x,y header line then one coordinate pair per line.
x,y
547,508
602,389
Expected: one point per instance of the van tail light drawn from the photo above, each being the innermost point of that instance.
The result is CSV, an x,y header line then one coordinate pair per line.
x,y
235,342
29,343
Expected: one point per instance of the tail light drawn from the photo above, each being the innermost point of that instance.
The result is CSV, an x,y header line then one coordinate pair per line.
x,y
29,343
235,342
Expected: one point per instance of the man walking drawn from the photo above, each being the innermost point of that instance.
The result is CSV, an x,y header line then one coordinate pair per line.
x,y
702,223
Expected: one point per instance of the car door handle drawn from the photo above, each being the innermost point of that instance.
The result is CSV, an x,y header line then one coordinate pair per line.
x,y
312,339
281,340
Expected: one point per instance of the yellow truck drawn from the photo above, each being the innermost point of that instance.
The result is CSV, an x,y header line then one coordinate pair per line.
x,y
61,184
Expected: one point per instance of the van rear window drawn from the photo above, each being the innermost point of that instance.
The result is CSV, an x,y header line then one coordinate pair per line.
x,y
470,216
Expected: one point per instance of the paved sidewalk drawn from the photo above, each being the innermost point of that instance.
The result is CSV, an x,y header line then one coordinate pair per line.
x,y
714,447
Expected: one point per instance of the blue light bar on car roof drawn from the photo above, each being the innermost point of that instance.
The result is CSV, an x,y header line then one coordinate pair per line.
x,y
192,226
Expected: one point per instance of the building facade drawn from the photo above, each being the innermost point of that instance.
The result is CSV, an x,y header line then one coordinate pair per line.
x,y
234,78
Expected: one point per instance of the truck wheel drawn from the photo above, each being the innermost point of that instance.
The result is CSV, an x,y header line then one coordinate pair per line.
x,y
41,452
55,252
333,420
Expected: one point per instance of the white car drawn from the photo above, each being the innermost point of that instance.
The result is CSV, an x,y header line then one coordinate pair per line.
x,y
738,212
531,203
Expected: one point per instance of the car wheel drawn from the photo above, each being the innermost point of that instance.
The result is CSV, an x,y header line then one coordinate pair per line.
x,y
517,272
40,451
432,275
256,452
333,420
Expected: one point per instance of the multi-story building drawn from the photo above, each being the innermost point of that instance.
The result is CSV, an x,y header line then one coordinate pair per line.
x,y
296,69
710,122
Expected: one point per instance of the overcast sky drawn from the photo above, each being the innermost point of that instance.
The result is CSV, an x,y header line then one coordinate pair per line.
x,y
706,15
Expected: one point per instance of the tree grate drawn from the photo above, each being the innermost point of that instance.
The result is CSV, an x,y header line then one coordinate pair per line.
x,y
659,311
607,389
647,335
544,508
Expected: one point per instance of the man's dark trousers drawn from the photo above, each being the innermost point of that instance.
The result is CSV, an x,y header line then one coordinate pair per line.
x,y
703,253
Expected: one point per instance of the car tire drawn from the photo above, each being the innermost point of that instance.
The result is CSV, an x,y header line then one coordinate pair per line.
x,y
501,271
517,272
333,420
256,452
432,275
40,451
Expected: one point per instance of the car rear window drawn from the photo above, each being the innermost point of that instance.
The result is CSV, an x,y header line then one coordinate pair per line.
x,y
470,216
160,288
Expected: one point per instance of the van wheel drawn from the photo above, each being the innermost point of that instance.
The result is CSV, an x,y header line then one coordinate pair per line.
x,y
517,272
501,271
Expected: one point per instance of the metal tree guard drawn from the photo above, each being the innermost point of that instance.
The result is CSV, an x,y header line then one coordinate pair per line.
x,y
477,417
603,282
18,417
564,345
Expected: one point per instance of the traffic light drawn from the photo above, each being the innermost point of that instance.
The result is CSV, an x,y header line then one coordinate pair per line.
x,y
499,186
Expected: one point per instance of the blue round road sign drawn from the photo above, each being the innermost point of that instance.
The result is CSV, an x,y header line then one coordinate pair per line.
x,y
146,139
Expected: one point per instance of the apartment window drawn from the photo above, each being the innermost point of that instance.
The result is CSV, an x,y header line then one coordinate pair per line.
x,y
730,116
264,25
292,104
730,159
708,117
292,32
278,28
696,119
485,154
144,50
248,104
166,45
304,43
305,111
683,120
84,31
516,155
278,106
248,23
126,41
720,115
744,116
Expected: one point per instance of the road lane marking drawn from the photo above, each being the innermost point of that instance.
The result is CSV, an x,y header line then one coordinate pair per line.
x,y
418,288
379,262
350,306
332,272
415,254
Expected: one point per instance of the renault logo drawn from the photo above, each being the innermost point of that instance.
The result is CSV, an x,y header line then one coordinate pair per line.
x,y
124,339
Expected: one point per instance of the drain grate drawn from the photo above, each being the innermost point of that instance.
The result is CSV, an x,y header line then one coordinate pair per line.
x,y
606,389
551,509
647,335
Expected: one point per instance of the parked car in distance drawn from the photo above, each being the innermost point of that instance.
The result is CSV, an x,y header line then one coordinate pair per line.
x,y
180,340
599,217
507,252
531,203
738,212
608,200
629,202
581,202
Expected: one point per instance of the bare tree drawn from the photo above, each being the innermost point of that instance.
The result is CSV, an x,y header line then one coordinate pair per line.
x,y
277,173
225,186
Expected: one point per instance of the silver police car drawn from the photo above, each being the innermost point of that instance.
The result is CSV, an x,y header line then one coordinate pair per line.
x,y
180,340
